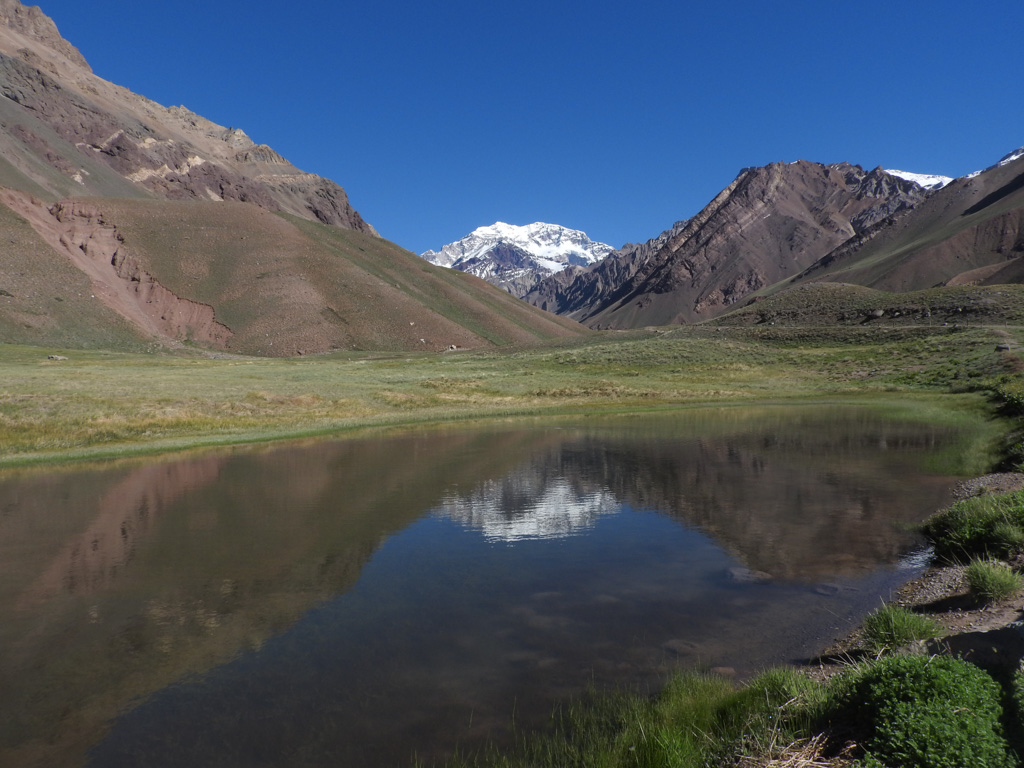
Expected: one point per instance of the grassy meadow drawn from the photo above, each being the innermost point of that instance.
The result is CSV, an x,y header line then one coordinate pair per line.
x,y
97,404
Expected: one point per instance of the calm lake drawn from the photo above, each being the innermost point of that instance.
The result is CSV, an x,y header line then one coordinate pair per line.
x,y
354,603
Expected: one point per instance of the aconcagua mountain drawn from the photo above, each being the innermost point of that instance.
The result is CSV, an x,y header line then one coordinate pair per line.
x,y
516,258
768,224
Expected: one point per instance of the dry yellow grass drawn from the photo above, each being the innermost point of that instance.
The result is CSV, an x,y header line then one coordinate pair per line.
x,y
104,403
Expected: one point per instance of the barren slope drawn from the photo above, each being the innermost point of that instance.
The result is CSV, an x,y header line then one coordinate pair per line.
x,y
235,277
46,300
125,223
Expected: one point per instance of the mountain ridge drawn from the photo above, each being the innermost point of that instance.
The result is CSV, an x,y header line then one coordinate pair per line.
x,y
72,133
969,232
769,223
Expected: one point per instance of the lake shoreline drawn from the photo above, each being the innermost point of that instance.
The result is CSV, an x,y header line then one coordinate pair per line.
x,y
941,592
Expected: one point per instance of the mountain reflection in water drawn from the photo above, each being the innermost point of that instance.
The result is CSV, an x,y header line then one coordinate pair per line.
x,y
349,603
521,506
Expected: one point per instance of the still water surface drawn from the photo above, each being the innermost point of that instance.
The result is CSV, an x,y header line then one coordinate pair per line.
x,y
354,603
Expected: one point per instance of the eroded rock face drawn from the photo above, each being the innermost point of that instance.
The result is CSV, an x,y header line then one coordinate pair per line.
x,y
73,134
770,223
80,230
969,232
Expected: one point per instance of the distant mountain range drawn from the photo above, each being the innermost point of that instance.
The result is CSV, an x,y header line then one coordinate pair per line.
x,y
517,258
768,224
787,223
124,224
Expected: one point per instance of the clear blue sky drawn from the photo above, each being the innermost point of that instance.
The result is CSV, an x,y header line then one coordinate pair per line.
x,y
617,118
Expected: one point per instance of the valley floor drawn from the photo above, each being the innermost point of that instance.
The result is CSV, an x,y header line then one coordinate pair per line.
x,y
58,405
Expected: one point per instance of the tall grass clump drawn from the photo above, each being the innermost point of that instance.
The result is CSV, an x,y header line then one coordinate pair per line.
x,y
893,626
982,526
697,720
991,580
771,711
923,712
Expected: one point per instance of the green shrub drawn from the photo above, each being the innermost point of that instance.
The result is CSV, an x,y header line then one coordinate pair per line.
x,y
984,526
1011,393
1014,719
892,626
1018,694
924,712
991,580
1009,535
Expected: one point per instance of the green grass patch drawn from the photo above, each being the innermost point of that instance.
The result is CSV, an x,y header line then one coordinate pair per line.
x,y
697,720
1011,392
991,580
983,526
908,711
893,626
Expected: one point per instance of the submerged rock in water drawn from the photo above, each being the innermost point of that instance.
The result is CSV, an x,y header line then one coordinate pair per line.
x,y
743,575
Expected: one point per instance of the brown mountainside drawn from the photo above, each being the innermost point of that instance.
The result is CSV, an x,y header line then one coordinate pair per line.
x,y
67,132
125,223
970,232
769,224
235,277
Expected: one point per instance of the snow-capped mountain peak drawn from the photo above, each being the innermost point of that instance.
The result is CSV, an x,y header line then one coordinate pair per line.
x,y
517,257
929,181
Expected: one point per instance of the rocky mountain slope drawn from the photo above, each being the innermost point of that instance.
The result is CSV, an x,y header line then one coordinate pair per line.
x,y
69,133
769,224
125,224
970,232
517,258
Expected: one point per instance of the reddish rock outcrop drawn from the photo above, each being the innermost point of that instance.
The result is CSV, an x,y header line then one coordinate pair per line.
x,y
79,229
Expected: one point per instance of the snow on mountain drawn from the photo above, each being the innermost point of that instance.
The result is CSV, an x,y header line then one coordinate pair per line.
x,y
933,182
517,257
1017,154
926,180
